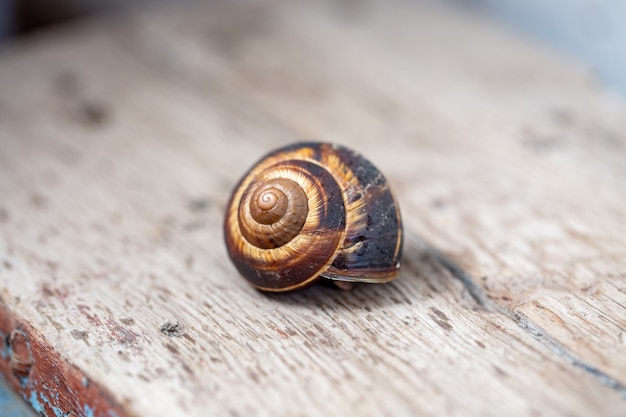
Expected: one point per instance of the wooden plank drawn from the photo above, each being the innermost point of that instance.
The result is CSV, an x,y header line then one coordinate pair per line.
x,y
118,151
554,148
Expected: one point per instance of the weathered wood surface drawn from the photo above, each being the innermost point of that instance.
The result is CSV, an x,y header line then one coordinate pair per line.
x,y
119,144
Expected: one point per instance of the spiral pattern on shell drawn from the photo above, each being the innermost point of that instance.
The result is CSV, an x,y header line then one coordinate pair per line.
x,y
310,210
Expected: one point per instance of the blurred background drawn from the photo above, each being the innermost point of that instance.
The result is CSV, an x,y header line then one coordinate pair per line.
x,y
589,31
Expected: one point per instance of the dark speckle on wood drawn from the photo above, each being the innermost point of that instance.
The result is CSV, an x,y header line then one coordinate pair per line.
x,y
88,112
200,204
189,261
439,313
121,334
128,321
189,338
541,144
500,371
439,203
440,318
48,290
39,201
172,348
4,215
172,329
79,334
230,36
93,113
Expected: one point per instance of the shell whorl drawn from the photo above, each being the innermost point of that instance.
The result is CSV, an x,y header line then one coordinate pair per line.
x,y
284,223
272,212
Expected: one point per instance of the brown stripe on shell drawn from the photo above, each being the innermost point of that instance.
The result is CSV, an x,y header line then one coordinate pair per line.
x,y
307,255
372,247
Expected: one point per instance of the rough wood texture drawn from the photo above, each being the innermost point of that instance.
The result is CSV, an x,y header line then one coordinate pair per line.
x,y
120,142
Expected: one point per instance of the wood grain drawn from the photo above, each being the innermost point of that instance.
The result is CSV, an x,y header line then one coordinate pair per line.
x,y
121,140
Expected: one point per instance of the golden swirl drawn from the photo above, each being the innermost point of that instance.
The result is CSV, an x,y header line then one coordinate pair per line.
x,y
273,212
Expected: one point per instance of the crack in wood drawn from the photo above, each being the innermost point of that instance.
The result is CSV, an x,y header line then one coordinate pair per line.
x,y
483,300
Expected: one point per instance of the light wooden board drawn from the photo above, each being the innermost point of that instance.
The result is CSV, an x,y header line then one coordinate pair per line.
x,y
120,142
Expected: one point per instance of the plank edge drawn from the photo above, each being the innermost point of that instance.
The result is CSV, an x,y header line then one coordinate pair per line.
x,y
50,384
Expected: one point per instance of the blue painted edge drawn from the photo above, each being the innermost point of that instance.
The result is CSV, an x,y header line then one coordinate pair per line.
x,y
11,404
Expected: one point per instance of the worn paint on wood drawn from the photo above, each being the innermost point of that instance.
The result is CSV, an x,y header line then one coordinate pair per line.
x,y
44,378
120,146
12,405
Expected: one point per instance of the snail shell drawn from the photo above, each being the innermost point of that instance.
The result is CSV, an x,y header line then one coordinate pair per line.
x,y
309,210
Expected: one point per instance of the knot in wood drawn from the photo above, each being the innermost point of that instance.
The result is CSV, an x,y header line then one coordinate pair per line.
x,y
21,358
